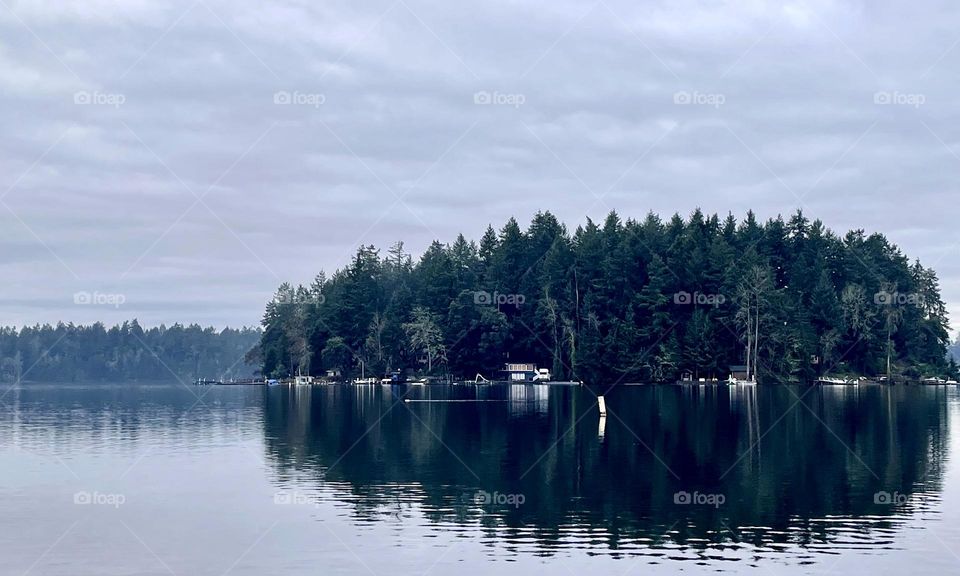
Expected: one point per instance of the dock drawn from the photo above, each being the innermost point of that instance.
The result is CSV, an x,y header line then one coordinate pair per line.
x,y
240,382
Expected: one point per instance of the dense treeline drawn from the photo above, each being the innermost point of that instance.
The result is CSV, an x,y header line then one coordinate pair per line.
x,y
66,352
622,301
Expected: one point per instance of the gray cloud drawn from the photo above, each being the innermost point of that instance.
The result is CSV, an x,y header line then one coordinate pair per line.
x,y
846,109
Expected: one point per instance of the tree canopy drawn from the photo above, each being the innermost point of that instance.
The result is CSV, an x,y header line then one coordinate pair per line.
x,y
621,301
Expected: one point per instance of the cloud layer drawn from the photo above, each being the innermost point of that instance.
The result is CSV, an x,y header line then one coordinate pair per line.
x,y
192,155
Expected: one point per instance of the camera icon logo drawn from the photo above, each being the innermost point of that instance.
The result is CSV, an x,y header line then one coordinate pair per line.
x,y
82,498
81,97
281,97
482,97
681,97
682,497
886,498
682,297
482,298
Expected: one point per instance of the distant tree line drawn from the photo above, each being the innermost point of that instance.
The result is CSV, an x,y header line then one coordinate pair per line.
x,y
71,353
622,301
954,350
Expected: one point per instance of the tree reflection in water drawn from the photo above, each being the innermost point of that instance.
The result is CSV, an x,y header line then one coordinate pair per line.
x,y
794,465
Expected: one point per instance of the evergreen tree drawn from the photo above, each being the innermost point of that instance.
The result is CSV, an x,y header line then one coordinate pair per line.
x,y
605,304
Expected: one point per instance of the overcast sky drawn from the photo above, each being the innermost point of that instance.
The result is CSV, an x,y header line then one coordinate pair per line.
x,y
177,160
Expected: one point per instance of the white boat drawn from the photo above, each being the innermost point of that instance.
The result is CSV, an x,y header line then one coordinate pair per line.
x,y
738,381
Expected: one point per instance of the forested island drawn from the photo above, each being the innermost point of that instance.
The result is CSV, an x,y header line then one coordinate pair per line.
x,y
70,353
623,301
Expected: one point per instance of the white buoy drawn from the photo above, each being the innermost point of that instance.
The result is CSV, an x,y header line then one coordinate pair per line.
x,y
603,405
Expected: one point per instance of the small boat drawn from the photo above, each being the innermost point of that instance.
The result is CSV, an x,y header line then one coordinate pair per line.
x,y
362,381
741,382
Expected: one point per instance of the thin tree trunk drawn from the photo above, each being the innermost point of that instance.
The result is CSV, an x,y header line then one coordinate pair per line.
x,y
576,290
756,342
888,351
749,338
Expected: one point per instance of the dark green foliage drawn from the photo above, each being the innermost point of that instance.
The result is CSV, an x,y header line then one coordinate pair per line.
x,y
619,302
69,353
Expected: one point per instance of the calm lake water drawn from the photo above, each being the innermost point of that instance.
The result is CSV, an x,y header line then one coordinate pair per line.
x,y
172,479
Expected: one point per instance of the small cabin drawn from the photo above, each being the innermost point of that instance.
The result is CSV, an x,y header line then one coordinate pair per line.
x,y
739,372
518,372
523,372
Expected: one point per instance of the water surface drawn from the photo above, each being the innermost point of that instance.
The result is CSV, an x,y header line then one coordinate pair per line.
x,y
161,479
